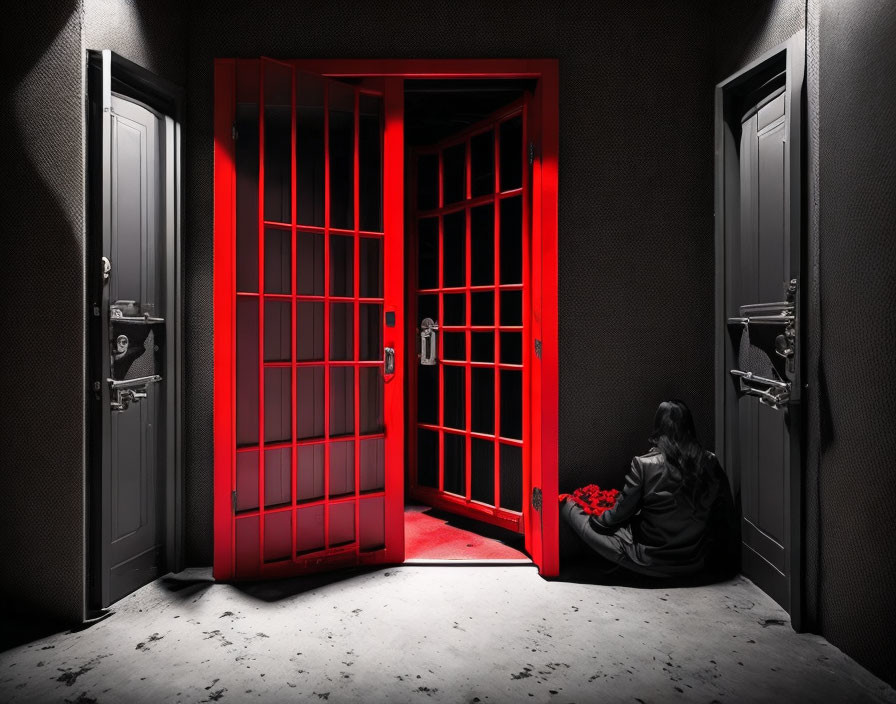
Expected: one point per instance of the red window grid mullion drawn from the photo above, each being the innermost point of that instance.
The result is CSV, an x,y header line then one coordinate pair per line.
x,y
411,457
356,186
261,367
326,314
439,337
481,328
497,344
468,335
469,202
233,386
294,459
317,230
321,501
527,312
473,433
479,365
303,442
462,289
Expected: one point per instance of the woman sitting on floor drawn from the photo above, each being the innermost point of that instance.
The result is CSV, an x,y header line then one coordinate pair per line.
x,y
675,515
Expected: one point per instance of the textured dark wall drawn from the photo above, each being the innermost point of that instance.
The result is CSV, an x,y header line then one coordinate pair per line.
x,y
42,310
636,247
151,33
857,221
743,30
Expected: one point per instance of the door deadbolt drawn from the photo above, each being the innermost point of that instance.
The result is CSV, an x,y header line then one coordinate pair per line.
x,y
121,344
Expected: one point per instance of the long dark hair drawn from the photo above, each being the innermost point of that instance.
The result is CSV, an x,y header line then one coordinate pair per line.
x,y
675,436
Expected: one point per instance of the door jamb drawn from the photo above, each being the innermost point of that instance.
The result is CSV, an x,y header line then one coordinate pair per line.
x,y
792,54
108,71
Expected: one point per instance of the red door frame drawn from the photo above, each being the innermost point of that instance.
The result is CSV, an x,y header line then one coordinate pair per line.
x,y
540,484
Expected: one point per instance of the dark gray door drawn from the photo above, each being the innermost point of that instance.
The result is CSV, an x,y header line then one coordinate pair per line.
x,y
133,473
763,275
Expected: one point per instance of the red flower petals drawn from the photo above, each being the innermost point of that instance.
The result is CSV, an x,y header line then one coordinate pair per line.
x,y
593,499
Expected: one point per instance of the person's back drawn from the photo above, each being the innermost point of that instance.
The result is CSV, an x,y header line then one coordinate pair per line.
x,y
674,529
675,514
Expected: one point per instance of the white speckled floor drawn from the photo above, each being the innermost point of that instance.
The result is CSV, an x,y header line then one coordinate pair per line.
x,y
437,634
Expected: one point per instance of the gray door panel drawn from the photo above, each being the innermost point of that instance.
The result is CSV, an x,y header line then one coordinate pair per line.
x,y
134,476
762,273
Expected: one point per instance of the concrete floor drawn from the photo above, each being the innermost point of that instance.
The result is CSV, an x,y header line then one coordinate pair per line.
x,y
438,634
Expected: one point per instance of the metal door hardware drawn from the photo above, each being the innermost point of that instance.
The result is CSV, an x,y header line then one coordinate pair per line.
x,y
771,392
126,392
131,312
389,360
428,342
785,343
107,269
121,344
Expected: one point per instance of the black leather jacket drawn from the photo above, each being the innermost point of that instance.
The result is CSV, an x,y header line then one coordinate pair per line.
x,y
669,532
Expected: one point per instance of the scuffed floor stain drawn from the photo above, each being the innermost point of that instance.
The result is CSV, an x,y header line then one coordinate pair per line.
x,y
152,639
69,676
81,699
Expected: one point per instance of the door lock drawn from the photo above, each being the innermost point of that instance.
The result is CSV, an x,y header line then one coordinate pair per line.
x,y
428,342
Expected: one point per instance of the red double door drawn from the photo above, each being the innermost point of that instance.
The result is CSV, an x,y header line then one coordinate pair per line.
x,y
311,332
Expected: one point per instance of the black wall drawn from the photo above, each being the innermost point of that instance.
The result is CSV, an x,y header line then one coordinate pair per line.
x,y
636,242
151,33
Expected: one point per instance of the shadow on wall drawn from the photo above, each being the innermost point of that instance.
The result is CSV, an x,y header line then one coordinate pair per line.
x,y
42,310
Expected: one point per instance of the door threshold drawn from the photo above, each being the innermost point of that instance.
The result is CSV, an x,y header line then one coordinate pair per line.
x,y
417,561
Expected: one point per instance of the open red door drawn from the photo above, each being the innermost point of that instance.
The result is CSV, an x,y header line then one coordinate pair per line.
x,y
308,322
470,404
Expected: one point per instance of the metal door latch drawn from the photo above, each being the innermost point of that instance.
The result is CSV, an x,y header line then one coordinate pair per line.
x,y
389,360
126,392
428,342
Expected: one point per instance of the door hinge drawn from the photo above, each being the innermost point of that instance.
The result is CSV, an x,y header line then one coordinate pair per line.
x,y
536,498
538,348
234,132
531,153
233,500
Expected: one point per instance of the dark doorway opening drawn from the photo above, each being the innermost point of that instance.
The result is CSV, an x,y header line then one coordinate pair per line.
x,y
467,192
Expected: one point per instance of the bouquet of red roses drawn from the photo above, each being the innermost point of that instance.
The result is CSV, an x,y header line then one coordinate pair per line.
x,y
593,500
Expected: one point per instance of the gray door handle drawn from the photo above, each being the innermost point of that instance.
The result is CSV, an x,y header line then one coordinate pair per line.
x,y
428,342
389,361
